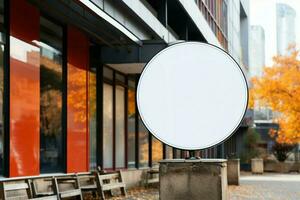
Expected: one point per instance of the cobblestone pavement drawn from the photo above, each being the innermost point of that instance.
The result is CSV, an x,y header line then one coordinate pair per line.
x,y
252,187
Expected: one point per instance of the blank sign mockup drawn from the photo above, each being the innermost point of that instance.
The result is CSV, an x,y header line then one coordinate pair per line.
x,y
192,95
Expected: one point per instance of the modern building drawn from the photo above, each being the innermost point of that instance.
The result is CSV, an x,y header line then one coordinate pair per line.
x,y
69,70
238,48
257,51
285,26
238,29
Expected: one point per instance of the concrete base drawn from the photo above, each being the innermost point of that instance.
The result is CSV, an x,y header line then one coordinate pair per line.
x,y
134,177
257,165
233,171
281,167
204,179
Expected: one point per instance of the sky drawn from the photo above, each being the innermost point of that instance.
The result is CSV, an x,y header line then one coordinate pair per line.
x,y
263,12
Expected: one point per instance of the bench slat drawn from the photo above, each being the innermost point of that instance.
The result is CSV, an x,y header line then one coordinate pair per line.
x,y
15,186
17,198
88,187
45,193
70,193
153,180
112,186
108,176
86,176
54,197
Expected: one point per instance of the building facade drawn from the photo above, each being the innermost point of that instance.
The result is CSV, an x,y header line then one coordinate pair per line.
x,y
285,26
238,29
257,51
69,72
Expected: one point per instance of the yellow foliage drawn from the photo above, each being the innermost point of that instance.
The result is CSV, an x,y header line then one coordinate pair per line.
x,y
279,89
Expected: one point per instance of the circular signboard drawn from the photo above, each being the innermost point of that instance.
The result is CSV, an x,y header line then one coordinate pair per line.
x,y
192,95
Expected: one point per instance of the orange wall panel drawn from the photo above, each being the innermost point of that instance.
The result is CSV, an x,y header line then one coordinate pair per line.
x,y
77,104
24,89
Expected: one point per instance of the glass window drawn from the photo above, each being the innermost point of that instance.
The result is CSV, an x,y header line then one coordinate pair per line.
x,y
143,145
120,77
92,117
51,141
169,152
120,127
107,73
157,151
177,153
1,108
107,126
1,85
131,125
197,154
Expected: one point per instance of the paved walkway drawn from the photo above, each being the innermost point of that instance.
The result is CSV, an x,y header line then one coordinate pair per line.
x,y
267,187
252,187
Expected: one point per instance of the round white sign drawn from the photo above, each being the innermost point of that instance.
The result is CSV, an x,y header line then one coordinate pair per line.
x,y
192,95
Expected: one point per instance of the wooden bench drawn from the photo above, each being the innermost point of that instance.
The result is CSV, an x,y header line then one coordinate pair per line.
x,y
62,186
87,182
152,176
19,190
109,182
42,186
67,186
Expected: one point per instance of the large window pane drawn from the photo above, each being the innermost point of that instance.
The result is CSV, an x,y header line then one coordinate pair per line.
x,y
1,86
107,126
131,126
51,141
1,109
169,152
177,153
143,145
157,151
120,127
92,118
24,91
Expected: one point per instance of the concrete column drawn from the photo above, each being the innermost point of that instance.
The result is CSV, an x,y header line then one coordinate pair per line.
x,y
257,165
233,171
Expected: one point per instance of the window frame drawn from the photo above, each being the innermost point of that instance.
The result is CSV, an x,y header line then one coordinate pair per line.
x,y
114,83
6,81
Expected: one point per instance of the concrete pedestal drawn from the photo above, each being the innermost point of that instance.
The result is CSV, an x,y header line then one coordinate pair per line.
x,y
233,171
257,165
204,179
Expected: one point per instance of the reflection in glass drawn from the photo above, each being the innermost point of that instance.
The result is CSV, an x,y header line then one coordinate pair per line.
x,y
169,152
24,104
1,108
143,145
92,118
1,86
107,126
157,151
177,153
197,153
120,127
50,97
131,127
108,73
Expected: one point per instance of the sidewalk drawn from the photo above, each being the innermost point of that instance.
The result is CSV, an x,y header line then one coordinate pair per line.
x,y
268,186
252,187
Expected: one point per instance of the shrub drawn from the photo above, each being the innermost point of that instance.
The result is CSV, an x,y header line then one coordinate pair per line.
x,y
282,151
252,150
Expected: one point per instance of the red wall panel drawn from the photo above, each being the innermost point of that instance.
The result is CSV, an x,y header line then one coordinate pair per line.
x,y
24,89
77,104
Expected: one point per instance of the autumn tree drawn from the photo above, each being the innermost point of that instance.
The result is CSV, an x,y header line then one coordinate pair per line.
x,y
279,89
